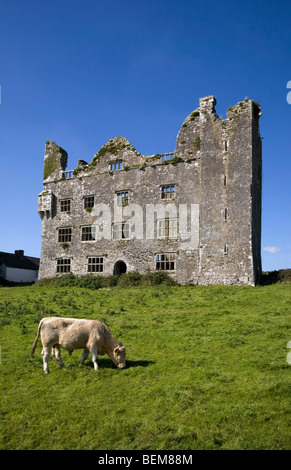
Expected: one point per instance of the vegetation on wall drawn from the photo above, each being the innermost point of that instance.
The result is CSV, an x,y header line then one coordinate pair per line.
x,y
55,156
112,147
176,159
50,165
194,115
196,143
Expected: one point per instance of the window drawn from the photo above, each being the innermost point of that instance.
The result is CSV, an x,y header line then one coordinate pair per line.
x,y
165,261
168,192
120,230
65,234
63,265
168,156
167,228
88,202
116,166
88,233
122,198
65,205
95,265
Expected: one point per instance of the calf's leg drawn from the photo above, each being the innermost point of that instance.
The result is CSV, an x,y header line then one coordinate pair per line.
x,y
57,354
94,355
85,354
46,354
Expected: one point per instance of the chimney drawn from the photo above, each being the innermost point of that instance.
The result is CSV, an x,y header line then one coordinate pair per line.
x,y
19,252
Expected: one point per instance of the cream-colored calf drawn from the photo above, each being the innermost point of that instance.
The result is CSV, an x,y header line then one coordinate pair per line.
x,y
92,336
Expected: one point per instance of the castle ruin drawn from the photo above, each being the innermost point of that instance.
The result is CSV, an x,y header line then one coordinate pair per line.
x,y
194,213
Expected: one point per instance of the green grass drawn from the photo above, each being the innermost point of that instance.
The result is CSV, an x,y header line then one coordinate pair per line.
x,y
207,369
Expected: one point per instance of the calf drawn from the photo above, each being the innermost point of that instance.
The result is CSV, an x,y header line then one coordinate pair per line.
x,y
92,336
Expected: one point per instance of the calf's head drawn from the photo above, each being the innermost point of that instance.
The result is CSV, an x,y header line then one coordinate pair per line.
x,y
119,356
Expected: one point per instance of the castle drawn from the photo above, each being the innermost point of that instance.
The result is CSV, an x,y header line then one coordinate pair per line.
x,y
194,213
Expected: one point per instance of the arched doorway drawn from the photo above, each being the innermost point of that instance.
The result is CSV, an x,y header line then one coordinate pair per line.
x,y
119,268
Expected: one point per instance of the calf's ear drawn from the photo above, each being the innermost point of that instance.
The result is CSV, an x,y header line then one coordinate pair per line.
x,y
118,349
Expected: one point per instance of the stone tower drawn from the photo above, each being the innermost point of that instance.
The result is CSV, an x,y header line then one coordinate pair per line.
x,y
194,213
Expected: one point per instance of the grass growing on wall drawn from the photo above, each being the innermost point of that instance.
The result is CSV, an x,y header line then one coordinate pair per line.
x,y
207,369
50,165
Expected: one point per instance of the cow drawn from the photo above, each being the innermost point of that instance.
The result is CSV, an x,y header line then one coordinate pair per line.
x,y
92,336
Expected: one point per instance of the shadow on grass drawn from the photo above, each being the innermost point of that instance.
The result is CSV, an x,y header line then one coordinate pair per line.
x,y
130,364
105,363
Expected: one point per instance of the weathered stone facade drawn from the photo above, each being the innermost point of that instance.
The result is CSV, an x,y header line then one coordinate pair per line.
x,y
195,213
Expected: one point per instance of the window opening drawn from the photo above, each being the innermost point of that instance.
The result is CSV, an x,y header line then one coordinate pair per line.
x,y
65,235
88,233
168,228
95,265
122,198
65,205
168,191
167,156
116,166
88,202
120,230
165,261
63,265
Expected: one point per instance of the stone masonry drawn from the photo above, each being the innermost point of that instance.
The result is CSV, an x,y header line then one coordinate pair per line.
x,y
194,213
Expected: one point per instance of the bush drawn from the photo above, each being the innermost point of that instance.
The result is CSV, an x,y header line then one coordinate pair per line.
x,y
130,279
61,281
149,279
273,277
158,277
91,281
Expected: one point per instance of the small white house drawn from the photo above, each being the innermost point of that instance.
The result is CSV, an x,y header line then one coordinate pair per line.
x,y
16,267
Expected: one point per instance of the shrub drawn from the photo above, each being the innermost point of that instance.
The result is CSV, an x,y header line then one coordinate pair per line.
x,y
156,278
91,281
272,277
130,279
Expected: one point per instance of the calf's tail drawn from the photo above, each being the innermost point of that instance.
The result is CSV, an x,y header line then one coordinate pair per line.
x,y
35,341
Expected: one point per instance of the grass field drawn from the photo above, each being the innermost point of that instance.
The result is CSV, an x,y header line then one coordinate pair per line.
x,y
207,369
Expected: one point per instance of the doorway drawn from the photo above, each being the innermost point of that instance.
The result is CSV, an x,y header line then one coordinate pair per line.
x,y
119,268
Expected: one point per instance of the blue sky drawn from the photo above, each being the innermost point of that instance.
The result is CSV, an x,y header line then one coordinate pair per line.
x,y
81,72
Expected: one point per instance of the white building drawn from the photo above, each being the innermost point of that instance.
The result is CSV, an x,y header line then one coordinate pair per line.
x,y
16,267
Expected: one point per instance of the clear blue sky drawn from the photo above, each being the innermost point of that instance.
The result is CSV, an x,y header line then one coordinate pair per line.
x,y
81,72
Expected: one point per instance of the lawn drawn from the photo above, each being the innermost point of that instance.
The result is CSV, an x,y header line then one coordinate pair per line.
x,y
207,369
